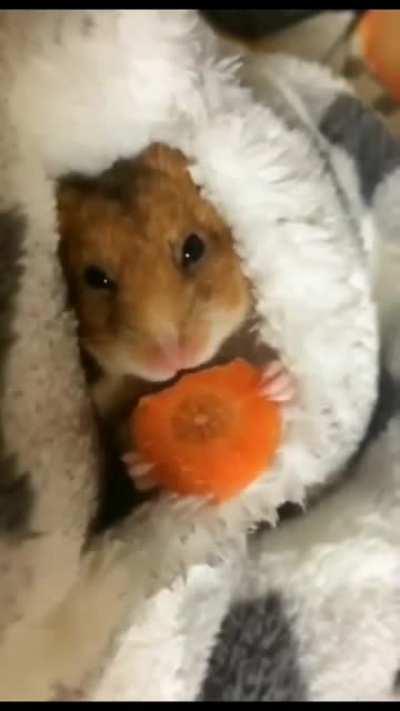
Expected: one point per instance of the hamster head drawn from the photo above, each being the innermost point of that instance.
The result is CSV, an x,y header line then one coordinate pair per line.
x,y
151,267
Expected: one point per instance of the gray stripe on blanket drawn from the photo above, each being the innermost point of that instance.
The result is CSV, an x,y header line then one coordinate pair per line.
x,y
16,495
363,135
255,658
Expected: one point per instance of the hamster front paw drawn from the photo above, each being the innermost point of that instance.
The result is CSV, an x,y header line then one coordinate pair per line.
x,y
139,471
277,383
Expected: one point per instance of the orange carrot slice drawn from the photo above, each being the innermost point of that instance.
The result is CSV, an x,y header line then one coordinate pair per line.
x,y
379,37
211,434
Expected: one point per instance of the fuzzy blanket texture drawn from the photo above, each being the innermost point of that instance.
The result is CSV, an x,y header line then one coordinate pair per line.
x,y
291,591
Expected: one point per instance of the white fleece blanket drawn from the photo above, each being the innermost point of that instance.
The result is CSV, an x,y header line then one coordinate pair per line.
x,y
133,613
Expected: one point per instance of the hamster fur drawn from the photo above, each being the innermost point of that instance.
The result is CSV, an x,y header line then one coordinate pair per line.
x,y
153,276
151,268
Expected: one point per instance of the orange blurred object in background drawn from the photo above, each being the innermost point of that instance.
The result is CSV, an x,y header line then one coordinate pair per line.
x,y
378,34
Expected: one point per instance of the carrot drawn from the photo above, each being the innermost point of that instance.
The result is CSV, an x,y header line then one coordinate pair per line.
x,y
211,434
379,37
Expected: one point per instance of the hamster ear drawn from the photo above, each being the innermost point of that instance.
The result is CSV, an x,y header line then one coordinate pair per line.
x,y
159,156
69,199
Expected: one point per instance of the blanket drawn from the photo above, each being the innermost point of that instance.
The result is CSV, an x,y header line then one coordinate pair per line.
x,y
178,600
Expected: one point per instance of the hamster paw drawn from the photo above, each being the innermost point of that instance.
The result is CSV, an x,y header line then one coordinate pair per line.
x,y
277,383
139,471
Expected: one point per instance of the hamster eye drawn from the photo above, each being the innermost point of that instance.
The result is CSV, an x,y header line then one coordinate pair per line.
x,y
192,250
97,279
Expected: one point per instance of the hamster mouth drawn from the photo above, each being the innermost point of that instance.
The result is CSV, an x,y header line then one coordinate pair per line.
x,y
244,343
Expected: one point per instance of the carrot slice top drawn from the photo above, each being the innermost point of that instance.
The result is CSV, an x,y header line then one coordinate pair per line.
x,y
210,434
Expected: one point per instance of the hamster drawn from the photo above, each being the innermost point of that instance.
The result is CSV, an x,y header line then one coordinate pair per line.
x,y
153,277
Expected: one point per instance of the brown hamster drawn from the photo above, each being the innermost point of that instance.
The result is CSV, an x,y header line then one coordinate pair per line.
x,y
152,271
153,275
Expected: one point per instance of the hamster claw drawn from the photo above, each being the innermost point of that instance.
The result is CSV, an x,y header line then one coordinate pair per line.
x,y
130,458
277,383
145,483
138,470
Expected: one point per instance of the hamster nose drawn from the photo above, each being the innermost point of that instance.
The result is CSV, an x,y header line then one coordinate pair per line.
x,y
177,354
